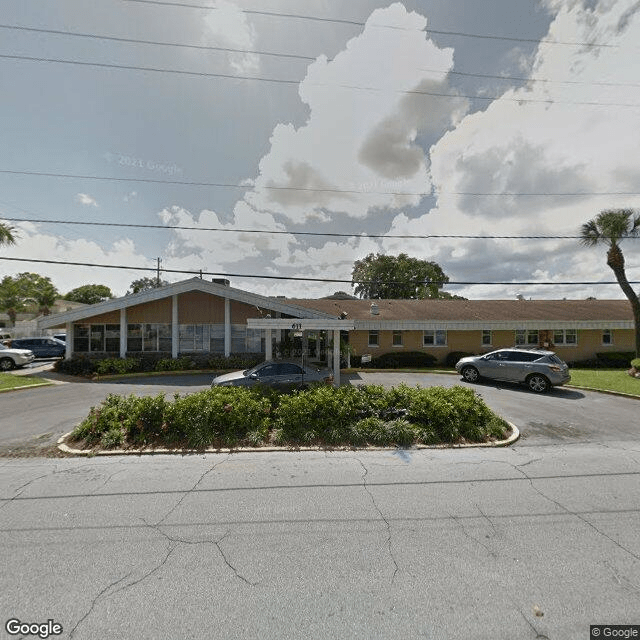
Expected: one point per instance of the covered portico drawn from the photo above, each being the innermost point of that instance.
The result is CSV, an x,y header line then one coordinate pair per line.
x,y
304,324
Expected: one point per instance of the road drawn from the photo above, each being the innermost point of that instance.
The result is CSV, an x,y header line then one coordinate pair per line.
x,y
524,542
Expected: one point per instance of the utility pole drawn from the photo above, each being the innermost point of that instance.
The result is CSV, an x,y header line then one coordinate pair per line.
x,y
158,272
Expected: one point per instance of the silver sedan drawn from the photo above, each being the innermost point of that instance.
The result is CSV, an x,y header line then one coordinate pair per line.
x,y
277,374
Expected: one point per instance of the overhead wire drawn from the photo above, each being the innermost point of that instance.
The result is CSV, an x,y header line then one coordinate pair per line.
x,y
360,23
173,227
164,43
296,82
312,189
304,278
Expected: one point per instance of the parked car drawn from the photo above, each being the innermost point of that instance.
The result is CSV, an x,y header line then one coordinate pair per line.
x,y
11,358
41,347
538,369
278,374
60,336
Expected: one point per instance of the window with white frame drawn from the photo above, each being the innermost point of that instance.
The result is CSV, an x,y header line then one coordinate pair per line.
x,y
526,336
374,338
397,339
565,336
607,336
434,338
487,339
98,338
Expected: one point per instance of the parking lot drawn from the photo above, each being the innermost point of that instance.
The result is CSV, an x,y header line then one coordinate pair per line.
x,y
37,417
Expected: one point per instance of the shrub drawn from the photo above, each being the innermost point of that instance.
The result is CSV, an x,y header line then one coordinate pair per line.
x,y
615,359
77,366
234,416
116,365
402,359
635,363
453,357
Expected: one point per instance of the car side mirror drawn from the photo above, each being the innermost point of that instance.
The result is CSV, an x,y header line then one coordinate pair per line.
x,y
253,376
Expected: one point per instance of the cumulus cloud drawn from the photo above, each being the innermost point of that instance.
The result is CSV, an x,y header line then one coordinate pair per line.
x,y
227,25
358,150
537,140
86,199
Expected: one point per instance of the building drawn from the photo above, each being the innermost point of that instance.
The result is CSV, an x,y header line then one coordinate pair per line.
x,y
198,316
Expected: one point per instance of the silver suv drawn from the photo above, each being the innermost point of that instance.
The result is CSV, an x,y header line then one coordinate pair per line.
x,y
539,369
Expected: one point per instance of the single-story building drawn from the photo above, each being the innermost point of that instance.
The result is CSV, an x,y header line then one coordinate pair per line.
x,y
199,316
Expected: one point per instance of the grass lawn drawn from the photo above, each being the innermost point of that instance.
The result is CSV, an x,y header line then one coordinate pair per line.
x,y
606,380
8,381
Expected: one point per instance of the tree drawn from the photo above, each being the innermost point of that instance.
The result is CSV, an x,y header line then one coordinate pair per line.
x,y
19,291
145,284
6,234
382,276
610,227
89,294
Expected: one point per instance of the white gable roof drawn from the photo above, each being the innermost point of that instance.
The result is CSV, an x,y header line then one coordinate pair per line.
x,y
184,286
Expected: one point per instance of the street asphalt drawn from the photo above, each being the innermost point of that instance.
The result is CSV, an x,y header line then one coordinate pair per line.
x,y
536,540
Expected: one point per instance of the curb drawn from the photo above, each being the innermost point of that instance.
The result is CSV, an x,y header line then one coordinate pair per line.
x,y
27,386
515,434
607,391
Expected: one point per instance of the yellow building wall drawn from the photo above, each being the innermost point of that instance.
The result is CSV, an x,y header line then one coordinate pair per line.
x,y
589,343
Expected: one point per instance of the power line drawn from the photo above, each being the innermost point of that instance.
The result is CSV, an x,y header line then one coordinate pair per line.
x,y
95,36
305,279
229,76
359,23
299,233
312,189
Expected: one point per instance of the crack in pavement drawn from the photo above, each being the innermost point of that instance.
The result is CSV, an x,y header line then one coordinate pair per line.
x,y
216,543
491,552
188,491
577,515
95,601
539,636
375,504
20,490
619,578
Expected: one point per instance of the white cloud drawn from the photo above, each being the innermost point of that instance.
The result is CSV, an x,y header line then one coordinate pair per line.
x,y
361,140
86,199
227,25
533,147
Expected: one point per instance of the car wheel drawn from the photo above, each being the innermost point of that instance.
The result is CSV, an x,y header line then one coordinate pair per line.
x,y
470,374
538,383
6,364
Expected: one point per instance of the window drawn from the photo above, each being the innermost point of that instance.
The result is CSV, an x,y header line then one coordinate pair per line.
x,y
486,337
96,338
607,336
374,338
434,337
565,336
397,339
526,336
149,337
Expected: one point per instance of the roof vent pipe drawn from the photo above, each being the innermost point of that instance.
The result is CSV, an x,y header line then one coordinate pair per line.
x,y
374,309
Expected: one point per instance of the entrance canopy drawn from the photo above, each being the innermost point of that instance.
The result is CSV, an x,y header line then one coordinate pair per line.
x,y
305,324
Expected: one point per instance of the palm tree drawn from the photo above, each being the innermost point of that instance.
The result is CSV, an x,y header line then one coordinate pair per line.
x,y
610,227
6,234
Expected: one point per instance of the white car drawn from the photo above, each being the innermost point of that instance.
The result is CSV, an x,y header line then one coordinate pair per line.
x,y
12,358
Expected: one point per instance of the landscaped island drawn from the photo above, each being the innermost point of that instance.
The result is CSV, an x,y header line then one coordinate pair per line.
x,y
234,417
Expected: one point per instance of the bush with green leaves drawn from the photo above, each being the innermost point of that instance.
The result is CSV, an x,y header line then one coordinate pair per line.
x,y
117,365
395,360
615,359
635,363
321,415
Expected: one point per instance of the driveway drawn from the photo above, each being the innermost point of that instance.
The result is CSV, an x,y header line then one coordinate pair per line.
x,y
33,419
561,416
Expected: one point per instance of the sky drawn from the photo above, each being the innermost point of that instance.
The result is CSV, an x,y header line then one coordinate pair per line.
x,y
366,118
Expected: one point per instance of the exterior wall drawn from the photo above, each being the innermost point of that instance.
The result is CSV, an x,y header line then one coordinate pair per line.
x,y
197,307
589,342
112,317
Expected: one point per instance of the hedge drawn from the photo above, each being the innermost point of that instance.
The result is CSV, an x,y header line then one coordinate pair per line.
x,y
322,415
89,365
401,359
